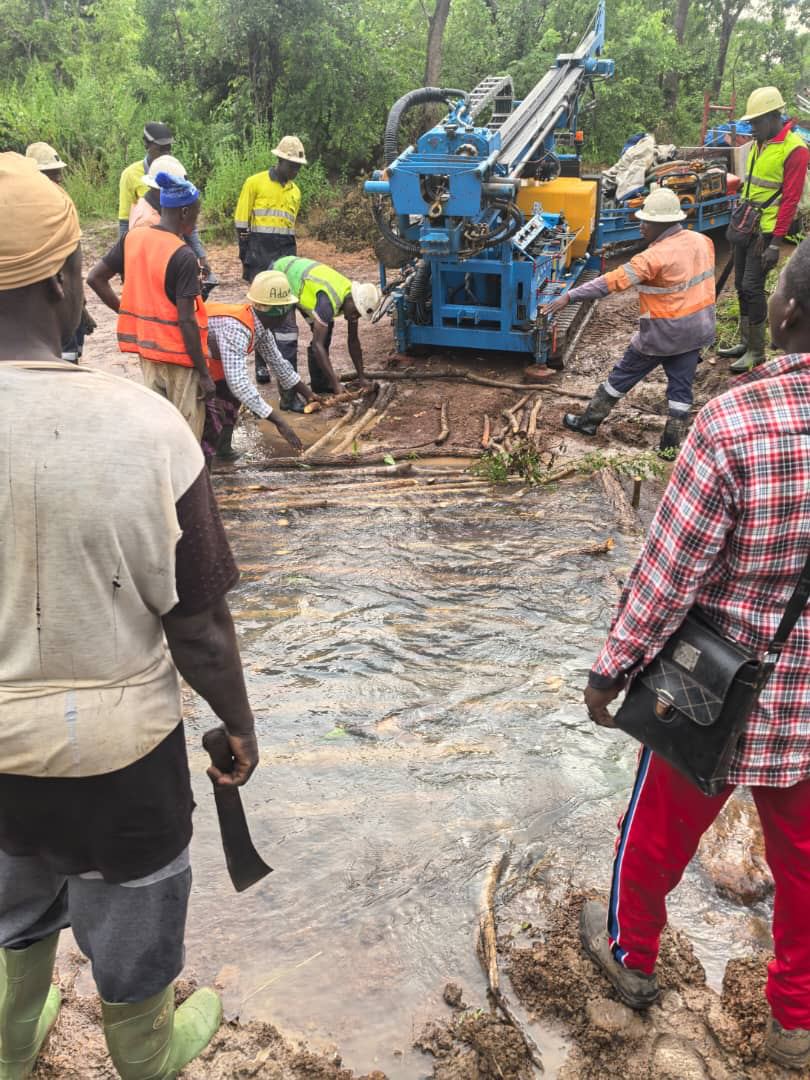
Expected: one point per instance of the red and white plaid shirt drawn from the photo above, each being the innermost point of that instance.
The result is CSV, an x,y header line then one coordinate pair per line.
x,y
732,534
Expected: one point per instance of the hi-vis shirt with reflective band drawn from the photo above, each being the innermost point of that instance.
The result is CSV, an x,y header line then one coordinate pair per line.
x,y
307,278
267,207
767,170
674,278
147,319
243,313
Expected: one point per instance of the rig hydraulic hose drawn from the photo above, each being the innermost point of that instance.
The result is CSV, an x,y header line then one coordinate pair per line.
x,y
423,96
417,293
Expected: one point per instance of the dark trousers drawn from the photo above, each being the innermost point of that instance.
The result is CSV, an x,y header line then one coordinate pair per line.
x,y
132,934
749,279
317,377
262,251
679,370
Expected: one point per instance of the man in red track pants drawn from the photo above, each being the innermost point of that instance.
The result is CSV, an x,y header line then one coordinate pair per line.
x,y
731,534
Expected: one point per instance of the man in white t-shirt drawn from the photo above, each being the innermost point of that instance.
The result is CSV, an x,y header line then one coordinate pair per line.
x,y
113,572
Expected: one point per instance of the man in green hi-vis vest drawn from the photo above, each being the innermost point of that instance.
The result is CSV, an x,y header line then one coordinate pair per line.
x,y
775,175
323,294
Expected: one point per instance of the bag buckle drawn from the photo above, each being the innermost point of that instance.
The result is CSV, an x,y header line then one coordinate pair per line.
x,y
664,703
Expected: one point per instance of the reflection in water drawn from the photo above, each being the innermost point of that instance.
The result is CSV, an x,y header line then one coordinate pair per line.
x,y
415,657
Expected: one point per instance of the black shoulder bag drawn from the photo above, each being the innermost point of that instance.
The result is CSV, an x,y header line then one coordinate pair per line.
x,y
690,705
743,224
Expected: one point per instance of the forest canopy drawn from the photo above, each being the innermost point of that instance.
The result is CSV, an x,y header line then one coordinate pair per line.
x,y
230,76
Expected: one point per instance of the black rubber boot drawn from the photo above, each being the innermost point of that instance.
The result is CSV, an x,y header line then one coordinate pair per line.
x,y
754,355
599,406
225,450
289,401
673,433
735,351
262,374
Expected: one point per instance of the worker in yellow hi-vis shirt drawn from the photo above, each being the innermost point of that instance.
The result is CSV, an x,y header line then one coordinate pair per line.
x,y
267,209
157,142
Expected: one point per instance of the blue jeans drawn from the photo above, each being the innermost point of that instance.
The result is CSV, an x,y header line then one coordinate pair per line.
x,y
679,370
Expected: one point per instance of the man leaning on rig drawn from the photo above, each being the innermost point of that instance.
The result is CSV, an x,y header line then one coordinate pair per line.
x,y
674,277
774,179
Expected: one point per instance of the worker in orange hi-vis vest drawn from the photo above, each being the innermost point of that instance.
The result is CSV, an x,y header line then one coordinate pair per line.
x,y
161,316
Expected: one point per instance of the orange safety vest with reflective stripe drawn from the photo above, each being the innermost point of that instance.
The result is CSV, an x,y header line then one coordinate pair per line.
x,y
147,319
243,313
674,278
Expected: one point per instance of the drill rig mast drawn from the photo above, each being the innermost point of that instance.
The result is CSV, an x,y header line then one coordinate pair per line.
x,y
488,221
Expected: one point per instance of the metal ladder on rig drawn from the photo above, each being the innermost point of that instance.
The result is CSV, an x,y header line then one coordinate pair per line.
x,y
495,90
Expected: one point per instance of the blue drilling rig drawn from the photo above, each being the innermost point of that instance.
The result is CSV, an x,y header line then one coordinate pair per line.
x,y
488,217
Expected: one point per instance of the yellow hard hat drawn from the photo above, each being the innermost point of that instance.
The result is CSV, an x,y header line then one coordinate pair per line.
x,y
766,99
661,205
44,157
291,149
270,288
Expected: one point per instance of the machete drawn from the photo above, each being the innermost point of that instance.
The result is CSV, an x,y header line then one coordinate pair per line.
x,y
244,863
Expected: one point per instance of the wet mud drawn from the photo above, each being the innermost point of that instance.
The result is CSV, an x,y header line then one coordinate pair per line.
x,y
692,1033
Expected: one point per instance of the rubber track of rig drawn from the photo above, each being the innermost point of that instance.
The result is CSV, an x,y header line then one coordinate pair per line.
x,y
573,320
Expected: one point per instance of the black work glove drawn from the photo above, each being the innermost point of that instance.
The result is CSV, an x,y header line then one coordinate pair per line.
x,y
770,257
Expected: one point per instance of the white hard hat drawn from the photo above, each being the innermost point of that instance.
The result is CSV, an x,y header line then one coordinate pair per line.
x,y
165,163
44,157
271,288
366,297
661,205
291,149
766,99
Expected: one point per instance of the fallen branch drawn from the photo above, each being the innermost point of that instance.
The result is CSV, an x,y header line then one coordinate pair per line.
x,y
487,431
532,428
519,405
603,547
324,439
445,431
510,420
626,517
377,406
488,956
423,450
336,399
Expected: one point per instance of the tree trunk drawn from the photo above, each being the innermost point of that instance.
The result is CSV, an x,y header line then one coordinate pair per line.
x,y
672,79
730,13
435,42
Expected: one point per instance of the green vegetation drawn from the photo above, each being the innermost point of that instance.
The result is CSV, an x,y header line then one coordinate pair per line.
x,y
526,461
231,75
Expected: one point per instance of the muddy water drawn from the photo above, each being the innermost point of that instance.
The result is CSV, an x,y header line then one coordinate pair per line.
x,y
415,655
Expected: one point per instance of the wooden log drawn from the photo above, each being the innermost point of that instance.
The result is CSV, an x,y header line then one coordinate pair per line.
x,y
532,428
488,957
510,420
381,402
519,404
487,431
312,450
424,450
445,429
626,516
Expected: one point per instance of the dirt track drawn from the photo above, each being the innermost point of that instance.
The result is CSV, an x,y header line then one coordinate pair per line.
x,y
413,418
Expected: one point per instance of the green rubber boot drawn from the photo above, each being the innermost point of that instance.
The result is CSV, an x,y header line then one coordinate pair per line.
x,y
596,411
735,351
29,1004
755,353
149,1041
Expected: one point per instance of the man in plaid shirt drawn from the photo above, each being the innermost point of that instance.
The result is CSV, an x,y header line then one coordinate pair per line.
x,y
731,534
